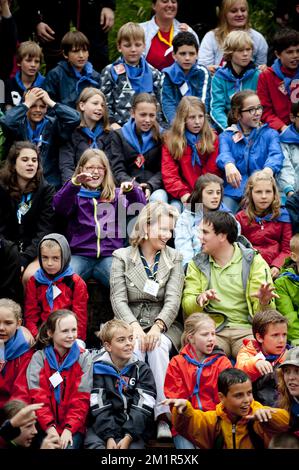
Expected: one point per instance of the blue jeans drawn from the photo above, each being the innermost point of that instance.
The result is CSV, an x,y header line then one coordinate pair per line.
x,y
161,195
232,203
98,268
181,442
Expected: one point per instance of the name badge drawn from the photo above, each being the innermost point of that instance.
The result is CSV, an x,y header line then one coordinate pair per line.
x,y
184,88
56,379
23,208
151,287
56,292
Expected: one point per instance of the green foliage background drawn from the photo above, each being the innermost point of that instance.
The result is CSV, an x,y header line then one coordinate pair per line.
x,y
261,15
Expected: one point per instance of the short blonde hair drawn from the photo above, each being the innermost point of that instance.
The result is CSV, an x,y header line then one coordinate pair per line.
x,y
13,307
150,214
130,32
108,330
29,49
193,323
294,243
235,41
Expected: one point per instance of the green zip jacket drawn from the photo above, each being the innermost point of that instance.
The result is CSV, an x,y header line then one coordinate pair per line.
x,y
255,271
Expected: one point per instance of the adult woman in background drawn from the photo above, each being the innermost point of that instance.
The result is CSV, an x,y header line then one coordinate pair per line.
x,y
159,33
146,284
233,15
26,213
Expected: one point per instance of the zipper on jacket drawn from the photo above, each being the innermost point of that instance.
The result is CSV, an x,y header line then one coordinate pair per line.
x,y
234,435
95,206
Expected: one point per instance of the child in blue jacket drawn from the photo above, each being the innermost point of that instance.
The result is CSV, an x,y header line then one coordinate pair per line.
x,y
246,146
239,73
184,77
65,82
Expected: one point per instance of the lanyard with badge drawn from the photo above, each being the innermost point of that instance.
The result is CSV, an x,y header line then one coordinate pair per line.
x,y
151,286
24,206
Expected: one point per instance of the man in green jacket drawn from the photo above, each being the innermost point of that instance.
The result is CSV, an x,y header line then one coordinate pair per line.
x,y
287,287
227,281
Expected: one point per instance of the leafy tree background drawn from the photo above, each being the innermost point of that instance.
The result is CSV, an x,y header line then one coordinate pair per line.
x,y
261,16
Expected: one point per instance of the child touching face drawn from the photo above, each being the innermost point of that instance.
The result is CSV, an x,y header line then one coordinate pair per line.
x,y
264,222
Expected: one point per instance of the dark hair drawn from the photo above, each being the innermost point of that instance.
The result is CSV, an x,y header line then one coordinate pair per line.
x,y
229,377
262,320
295,108
223,222
8,174
74,40
201,183
43,339
237,103
184,39
285,38
151,99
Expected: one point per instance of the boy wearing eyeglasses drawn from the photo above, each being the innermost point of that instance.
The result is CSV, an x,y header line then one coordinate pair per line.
x,y
278,85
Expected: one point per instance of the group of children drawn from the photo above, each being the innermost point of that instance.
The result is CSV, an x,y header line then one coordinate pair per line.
x,y
132,135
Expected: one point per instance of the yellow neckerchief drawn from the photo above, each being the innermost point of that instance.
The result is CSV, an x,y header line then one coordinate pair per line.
x,y
168,43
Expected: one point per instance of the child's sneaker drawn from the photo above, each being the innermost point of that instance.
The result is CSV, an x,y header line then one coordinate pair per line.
x,y
163,430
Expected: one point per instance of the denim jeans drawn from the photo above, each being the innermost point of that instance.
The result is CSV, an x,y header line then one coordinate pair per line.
x,y
232,203
161,195
97,268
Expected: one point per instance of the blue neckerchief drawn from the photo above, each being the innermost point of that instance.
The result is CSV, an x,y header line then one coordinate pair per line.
x,y
293,276
70,359
129,132
200,366
88,193
283,217
276,67
15,346
105,369
192,140
178,77
39,79
36,135
41,277
85,76
151,274
271,357
140,77
93,134
290,135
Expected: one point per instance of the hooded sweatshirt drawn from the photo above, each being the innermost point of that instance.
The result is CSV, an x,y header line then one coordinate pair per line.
x,y
45,293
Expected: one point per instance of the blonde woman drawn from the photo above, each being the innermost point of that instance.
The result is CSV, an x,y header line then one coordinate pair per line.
x,y
233,15
95,212
190,149
146,285
93,131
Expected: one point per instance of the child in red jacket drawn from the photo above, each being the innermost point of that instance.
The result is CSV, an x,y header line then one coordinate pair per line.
x,y
15,353
60,376
193,373
264,223
190,149
55,286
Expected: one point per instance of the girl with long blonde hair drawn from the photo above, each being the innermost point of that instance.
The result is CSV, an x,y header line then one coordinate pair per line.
x,y
96,214
190,149
93,131
264,222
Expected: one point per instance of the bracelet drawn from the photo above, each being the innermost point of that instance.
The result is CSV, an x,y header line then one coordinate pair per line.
x,y
160,324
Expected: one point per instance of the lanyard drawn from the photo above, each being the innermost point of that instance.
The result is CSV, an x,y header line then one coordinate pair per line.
x,y
24,206
168,43
151,274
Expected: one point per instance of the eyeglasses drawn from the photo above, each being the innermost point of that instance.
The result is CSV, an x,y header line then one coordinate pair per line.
x,y
100,169
253,111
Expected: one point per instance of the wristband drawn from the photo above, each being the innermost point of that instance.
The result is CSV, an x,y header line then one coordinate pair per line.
x,y
161,325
